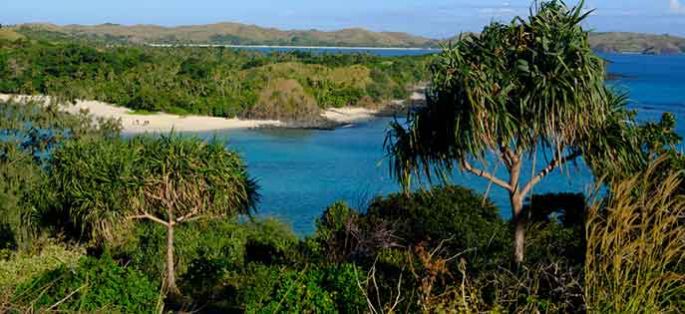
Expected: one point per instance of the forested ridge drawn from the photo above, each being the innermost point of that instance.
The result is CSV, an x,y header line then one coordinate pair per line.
x,y
221,82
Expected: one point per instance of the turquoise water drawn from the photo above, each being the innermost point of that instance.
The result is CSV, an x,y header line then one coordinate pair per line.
x,y
301,172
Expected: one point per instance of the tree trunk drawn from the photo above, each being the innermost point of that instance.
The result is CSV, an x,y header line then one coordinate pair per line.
x,y
520,227
172,289
516,198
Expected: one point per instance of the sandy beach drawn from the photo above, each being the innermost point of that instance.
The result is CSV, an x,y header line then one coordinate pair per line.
x,y
349,114
164,122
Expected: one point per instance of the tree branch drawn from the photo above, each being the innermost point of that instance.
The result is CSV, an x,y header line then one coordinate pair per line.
x,y
481,173
554,164
145,215
506,155
188,216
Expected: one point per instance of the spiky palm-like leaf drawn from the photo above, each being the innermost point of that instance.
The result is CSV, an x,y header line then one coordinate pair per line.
x,y
509,91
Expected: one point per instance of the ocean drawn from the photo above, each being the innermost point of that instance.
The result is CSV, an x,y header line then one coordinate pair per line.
x,y
301,172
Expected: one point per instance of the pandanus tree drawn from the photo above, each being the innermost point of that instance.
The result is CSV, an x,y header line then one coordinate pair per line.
x,y
105,187
512,91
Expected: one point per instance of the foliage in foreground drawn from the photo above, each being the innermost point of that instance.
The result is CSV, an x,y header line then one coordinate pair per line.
x,y
635,252
19,267
96,284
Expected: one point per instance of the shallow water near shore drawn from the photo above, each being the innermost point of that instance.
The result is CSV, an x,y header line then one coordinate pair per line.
x,y
301,172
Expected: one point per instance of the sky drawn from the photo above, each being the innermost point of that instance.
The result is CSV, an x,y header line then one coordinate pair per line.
x,y
432,18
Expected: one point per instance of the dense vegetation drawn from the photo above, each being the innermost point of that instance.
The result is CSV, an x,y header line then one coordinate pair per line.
x,y
70,246
207,81
92,222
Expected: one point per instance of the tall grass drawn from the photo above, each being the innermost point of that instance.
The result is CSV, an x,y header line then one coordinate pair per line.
x,y
636,245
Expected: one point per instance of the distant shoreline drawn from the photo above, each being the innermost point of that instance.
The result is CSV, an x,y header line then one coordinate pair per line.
x,y
292,47
161,122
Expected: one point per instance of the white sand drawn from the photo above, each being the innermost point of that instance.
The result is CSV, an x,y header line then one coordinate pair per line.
x,y
152,123
418,96
164,122
349,114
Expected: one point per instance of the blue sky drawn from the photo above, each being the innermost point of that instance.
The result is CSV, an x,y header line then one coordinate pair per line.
x,y
434,18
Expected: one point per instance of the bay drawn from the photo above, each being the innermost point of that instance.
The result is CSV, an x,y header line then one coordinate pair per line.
x,y
301,172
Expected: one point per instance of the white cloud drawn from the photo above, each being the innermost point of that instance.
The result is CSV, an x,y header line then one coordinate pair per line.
x,y
676,6
497,12
504,10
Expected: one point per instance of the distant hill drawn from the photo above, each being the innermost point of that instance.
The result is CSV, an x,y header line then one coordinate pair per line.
x,y
242,34
228,33
637,43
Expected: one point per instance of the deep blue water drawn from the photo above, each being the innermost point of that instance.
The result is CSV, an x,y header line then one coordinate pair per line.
x,y
301,172
656,84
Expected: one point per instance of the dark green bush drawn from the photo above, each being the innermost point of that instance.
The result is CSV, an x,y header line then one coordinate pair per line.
x,y
270,289
208,251
464,220
95,285
205,240
557,229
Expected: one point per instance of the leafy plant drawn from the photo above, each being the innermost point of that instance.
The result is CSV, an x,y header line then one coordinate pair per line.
x,y
309,290
94,285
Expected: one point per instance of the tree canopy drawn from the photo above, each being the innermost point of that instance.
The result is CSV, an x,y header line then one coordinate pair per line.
x,y
102,187
510,91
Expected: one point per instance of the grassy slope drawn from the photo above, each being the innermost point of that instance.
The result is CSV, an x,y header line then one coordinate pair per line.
x,y
233,33
8,34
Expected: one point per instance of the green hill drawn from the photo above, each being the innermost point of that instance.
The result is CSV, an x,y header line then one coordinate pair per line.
x,y
242,34
227,33
637,43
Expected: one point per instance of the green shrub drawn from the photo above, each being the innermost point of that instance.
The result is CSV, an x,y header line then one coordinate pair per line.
x,y
202,240
270,241
343,283
94,285
464,220
415,237
208,251
17,267
556,229
270,289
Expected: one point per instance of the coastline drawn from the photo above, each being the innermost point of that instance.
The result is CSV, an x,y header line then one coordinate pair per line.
x,y
158,45
161,122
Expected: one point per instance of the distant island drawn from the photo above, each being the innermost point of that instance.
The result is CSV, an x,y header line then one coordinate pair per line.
x,y
637,43
251,35
227,34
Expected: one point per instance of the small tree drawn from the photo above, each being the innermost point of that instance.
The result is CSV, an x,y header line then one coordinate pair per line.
x,y
509,91
104,186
